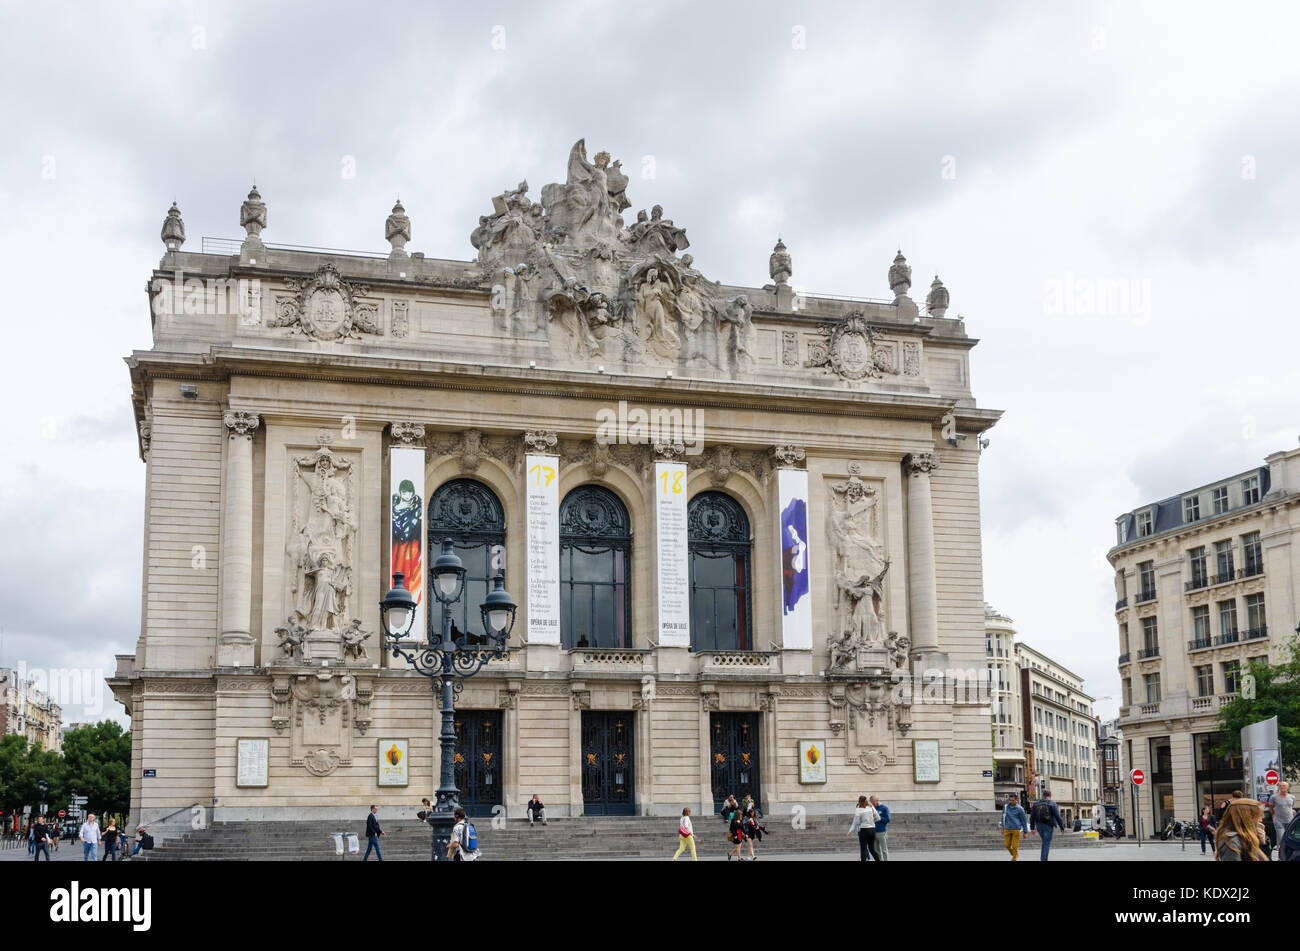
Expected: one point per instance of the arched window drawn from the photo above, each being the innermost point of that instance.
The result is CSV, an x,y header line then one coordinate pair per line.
x,y
595,548
470,514
720,556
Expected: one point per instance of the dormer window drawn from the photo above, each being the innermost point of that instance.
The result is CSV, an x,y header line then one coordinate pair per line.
x,y
1220,499
1250,490
1145,523
1191,508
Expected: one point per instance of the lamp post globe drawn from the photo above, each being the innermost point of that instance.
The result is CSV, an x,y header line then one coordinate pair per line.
x,y
448,575
397,609
498,609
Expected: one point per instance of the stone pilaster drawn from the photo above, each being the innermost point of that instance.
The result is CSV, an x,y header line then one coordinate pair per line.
x,y
921,582
235,647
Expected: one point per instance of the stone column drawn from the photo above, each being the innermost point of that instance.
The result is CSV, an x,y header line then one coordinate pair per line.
x,y
644,763
921,584
235,647
508,700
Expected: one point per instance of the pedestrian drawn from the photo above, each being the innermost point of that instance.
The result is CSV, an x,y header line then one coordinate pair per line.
x,y
1240,837
751,829
1208,824
143,840
864,824
735,834
747,804
730,808
40,833
685,836
882,827
536,810
426,807
1014,822
110,841
463,846
373,834
89,836
1281,808
31,837
1045,819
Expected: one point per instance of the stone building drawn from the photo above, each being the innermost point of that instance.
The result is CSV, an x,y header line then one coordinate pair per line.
x,y
26,710
1061,729
737,521
1205,582
1008,732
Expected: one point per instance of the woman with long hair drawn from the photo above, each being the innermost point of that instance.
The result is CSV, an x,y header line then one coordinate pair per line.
x,y
1208,824
1240,836
864,824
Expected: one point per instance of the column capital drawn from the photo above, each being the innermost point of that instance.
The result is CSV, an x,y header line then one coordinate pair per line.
x,y
541,441
241,424
788,457
406,432
921,463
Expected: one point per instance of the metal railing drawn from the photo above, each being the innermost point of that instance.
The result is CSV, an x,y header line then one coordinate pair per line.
x,y
1125,657
1121,603
1255,634
1147,595
1197,583
232,246
1230,638
1148,652
1251,570
1199,645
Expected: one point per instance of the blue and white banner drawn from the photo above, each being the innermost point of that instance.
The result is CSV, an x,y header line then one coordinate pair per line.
x,y
796,599
542,479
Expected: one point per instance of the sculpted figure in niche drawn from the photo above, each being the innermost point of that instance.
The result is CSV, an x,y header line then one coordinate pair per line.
x,y
860,565
738,316
323,578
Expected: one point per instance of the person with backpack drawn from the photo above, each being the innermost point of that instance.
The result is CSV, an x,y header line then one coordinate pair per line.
x,y
864,824
373,834
1045,819
1014,822
686,836
463,846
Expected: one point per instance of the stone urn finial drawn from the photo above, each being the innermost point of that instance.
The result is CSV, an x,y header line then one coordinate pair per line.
x,y
779,265
252,214
173,229
936,302
397,229
900,276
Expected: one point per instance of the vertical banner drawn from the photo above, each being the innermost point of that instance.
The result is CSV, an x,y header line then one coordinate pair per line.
x,y
796,600
674,568
406,494
543,485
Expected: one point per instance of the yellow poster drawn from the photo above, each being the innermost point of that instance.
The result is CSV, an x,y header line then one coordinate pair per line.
x,y
394,756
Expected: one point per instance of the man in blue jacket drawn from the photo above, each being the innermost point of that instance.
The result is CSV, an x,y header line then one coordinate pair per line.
x,y
1013,823
1045,819
882,826
373,833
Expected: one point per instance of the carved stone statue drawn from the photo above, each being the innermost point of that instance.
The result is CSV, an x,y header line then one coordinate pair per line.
x,y
354,640
900,276
658,237
936,302
252,214
738,316
173,229
779,265
323,540
860,565
292,634
655,300
397,228
584,209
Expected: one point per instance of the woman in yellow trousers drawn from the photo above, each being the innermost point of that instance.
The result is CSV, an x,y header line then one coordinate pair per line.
x,y
686,835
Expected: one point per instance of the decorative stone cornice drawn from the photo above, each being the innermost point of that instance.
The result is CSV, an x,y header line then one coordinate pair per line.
x,y
921,463
669,451
582,699
541,441
406,433
241,425
471,447
788,457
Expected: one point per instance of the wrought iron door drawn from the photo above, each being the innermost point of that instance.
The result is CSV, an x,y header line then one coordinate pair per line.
x,y
607,755
478,760
733,755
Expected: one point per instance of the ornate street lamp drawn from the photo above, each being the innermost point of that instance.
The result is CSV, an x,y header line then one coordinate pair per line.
x,y
447,661
43,786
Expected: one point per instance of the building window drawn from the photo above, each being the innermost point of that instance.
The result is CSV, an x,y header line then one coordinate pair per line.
x,y
1191,508
1150,637
1252,554
1231,676
719,540
1123,638
1152,684
1250,490
1145,524
1220,496
595,550
1201,625
1199,575
471,515
1147,582
1223,560
1255,614
1205,680
1228,621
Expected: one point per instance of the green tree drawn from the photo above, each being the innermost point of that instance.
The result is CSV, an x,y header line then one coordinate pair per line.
x,y
1268,690
98,766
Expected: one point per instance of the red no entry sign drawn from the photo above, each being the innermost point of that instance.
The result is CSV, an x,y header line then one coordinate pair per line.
x,y
1271,777
1137,777
62,813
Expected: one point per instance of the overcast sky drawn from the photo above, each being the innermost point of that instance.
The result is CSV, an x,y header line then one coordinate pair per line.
x,y
1027,153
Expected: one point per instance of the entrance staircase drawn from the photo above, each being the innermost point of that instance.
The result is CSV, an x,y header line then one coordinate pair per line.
x,y
588,838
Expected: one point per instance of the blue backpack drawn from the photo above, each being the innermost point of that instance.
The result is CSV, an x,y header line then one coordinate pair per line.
x,y
470,837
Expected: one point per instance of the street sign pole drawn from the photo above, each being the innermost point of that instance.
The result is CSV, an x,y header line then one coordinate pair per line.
x,y
1137,778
